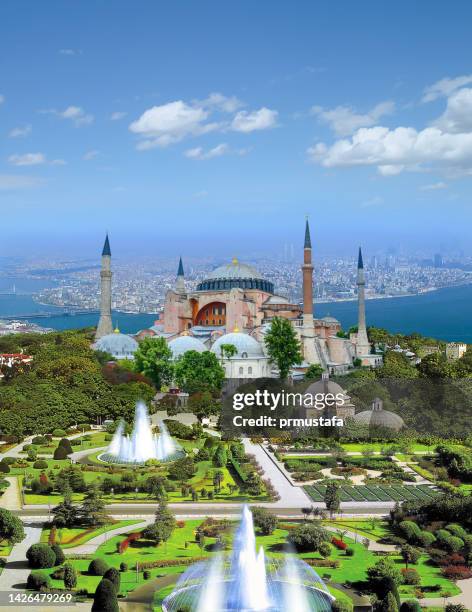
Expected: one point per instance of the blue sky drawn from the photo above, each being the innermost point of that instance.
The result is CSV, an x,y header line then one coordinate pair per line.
x,y
215,127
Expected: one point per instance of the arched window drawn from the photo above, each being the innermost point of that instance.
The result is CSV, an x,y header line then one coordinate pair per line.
x,y
241,371
249,370
244,355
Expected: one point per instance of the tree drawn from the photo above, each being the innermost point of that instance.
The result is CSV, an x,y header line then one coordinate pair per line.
x,y
220,458
11,528
217,480
163,526
97,567
314,371
60,556
389,603
384,568
396,365
60,453
228,351
409,554
40,556
264,520
283,346
332,498
105,599
153,358
197,372
65,513
38,581
182,469
92,511
308,537
203,405
70,577
113,575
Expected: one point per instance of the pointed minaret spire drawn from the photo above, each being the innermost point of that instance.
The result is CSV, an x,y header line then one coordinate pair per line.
x,y
106,247
307,235
362,342
360,263
105,325
180,281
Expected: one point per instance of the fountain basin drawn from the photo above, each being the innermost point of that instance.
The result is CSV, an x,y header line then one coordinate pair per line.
x,y
116,460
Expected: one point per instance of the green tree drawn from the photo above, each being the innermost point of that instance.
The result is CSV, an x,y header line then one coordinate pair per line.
x,y
40,556
409,554
264,520
70,577
203,405
163,526
92,510
105,599
11,528
332,498
396,365
314,371
283,346
153,358
308,537
196,372
227,351
389,603
65,513
217,480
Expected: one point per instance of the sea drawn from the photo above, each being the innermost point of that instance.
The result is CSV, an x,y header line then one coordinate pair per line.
x,y
445,314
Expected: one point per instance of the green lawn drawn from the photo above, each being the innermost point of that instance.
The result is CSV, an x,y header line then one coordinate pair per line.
x,y
374,530
182,546
374,492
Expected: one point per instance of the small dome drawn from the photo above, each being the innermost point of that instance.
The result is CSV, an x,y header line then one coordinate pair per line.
x,y
330,320
182,344
121,346
378,417
235,275
246,346
235,269
325,386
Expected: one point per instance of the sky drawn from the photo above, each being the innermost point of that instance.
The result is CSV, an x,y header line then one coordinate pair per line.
x,y
214,128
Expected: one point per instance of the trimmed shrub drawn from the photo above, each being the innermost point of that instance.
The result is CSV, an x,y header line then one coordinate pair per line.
x,y
39,440
426,538
40,556
349,552
60,557
411,576
456,572
65,442
342,606
146,574
97,567
9,460
58,433
40,464
123,567
113,575
339,544
4,468
410,606
60,453
38,581
324,549
70,576
456,530
105,599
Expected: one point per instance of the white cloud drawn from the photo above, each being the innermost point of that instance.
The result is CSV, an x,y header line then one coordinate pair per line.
x,y
261,119
33,159
27,159
343,120
221,103
457,117
20,132
434,186
117,115
199,153
91,154
445,87
375,201
71,113
70,51
163,125
12,182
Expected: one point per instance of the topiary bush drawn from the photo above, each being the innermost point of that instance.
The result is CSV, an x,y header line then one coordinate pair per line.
x,y
341,606
456,530
4,468
58,433
65,442
40,556
105,599
97,567
123,567
40,464
38,581
9,460
39,440
60,557
60,453
113,575
146,574
410,606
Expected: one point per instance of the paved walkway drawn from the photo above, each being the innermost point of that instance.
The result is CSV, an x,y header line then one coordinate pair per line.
x,y
358,537
11,498
464,598
91,546
16,571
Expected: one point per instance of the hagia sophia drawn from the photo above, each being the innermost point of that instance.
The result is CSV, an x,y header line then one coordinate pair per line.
x,y
235,305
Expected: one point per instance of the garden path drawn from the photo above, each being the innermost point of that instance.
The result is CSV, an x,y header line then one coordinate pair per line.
x,y
16,570
11,498
91,546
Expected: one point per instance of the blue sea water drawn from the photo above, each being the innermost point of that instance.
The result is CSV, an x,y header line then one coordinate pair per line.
x,y
445,314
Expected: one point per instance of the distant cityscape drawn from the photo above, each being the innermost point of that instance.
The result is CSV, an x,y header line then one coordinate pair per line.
x,y
140,286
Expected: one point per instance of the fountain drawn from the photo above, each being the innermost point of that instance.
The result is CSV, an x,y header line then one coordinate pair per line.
x,y
247,581
142,445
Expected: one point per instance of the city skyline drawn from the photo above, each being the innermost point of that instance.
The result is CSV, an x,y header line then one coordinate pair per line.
x,y
173,137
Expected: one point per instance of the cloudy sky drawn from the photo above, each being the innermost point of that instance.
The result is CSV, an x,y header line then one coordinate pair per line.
x,y
216,127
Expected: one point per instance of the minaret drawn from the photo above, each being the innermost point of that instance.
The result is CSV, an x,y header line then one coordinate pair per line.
x,y
180,281
105,326
308,328
362,346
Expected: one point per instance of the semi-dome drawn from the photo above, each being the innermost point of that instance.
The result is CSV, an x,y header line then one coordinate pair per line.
x,y
329,319
378,417
182,344
121,346
247,347
235,274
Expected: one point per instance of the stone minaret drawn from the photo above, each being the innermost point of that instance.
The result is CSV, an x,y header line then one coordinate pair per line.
x,y
362,346
308,327
105,326
180,282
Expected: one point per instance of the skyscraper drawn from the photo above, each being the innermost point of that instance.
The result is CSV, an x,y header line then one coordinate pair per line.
x,y
105,326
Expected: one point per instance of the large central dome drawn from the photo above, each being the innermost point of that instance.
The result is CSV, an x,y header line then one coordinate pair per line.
x,y
235,274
